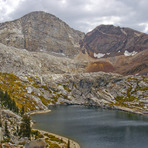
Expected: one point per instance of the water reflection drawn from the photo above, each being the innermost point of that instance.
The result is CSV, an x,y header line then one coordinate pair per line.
x,y
130,116
95,127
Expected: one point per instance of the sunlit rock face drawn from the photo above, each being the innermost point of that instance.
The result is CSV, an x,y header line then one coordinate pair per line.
x,y
43,32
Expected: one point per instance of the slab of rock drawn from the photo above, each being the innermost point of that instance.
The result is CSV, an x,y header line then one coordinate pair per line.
x,y
39,143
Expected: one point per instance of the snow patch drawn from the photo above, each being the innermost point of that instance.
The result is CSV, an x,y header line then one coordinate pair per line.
x,y
108,53
119,51
126,53
99,55
17,30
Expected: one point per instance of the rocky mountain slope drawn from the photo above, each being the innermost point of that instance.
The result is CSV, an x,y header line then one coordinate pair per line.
x,y
40,31
20,61
26,75
113,49
37,79
110,41
125,65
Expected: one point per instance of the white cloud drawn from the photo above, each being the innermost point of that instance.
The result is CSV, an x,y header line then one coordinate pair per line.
x,y
145,26
63,1
88,24
83,15
7,7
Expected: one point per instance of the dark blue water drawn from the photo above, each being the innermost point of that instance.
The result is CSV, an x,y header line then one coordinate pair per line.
x,y
96,128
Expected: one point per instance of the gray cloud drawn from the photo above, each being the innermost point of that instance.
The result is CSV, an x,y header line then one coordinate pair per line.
x,y
85,15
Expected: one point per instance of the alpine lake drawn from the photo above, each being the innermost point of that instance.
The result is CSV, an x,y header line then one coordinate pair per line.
x,y
94,127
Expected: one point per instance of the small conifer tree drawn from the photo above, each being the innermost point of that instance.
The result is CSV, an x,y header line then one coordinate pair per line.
x,y
6,130
25,128
68,144
22,110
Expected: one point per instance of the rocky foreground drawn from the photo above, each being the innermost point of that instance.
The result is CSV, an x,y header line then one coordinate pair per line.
x,y
37,139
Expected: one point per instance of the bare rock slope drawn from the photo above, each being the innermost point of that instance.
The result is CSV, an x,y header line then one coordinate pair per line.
x,y
20,61
113,49
40,31
110,41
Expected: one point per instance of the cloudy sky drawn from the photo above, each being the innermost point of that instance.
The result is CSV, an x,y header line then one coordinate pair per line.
x,y
83,15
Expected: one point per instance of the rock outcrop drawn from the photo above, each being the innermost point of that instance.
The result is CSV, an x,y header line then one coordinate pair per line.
x,y
25,75
110,41
105,90
38,139
41,32
20,61
39,143
113,49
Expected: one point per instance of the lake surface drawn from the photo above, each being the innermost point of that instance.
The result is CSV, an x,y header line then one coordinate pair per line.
x,y
95,127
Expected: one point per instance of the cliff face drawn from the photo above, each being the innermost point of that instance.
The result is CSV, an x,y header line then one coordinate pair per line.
x,y
110,41
115,49
40,31
105,90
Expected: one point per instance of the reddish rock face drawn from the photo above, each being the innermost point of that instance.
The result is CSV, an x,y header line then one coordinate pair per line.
x,y
115,49
99,66
137,64
113,41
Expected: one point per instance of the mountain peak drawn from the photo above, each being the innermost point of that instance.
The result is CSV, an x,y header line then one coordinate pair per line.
x,y
42,32
39,14
109,41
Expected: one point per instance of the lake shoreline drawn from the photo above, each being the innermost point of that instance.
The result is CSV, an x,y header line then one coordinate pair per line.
x,y
88,125
73,144
40,112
